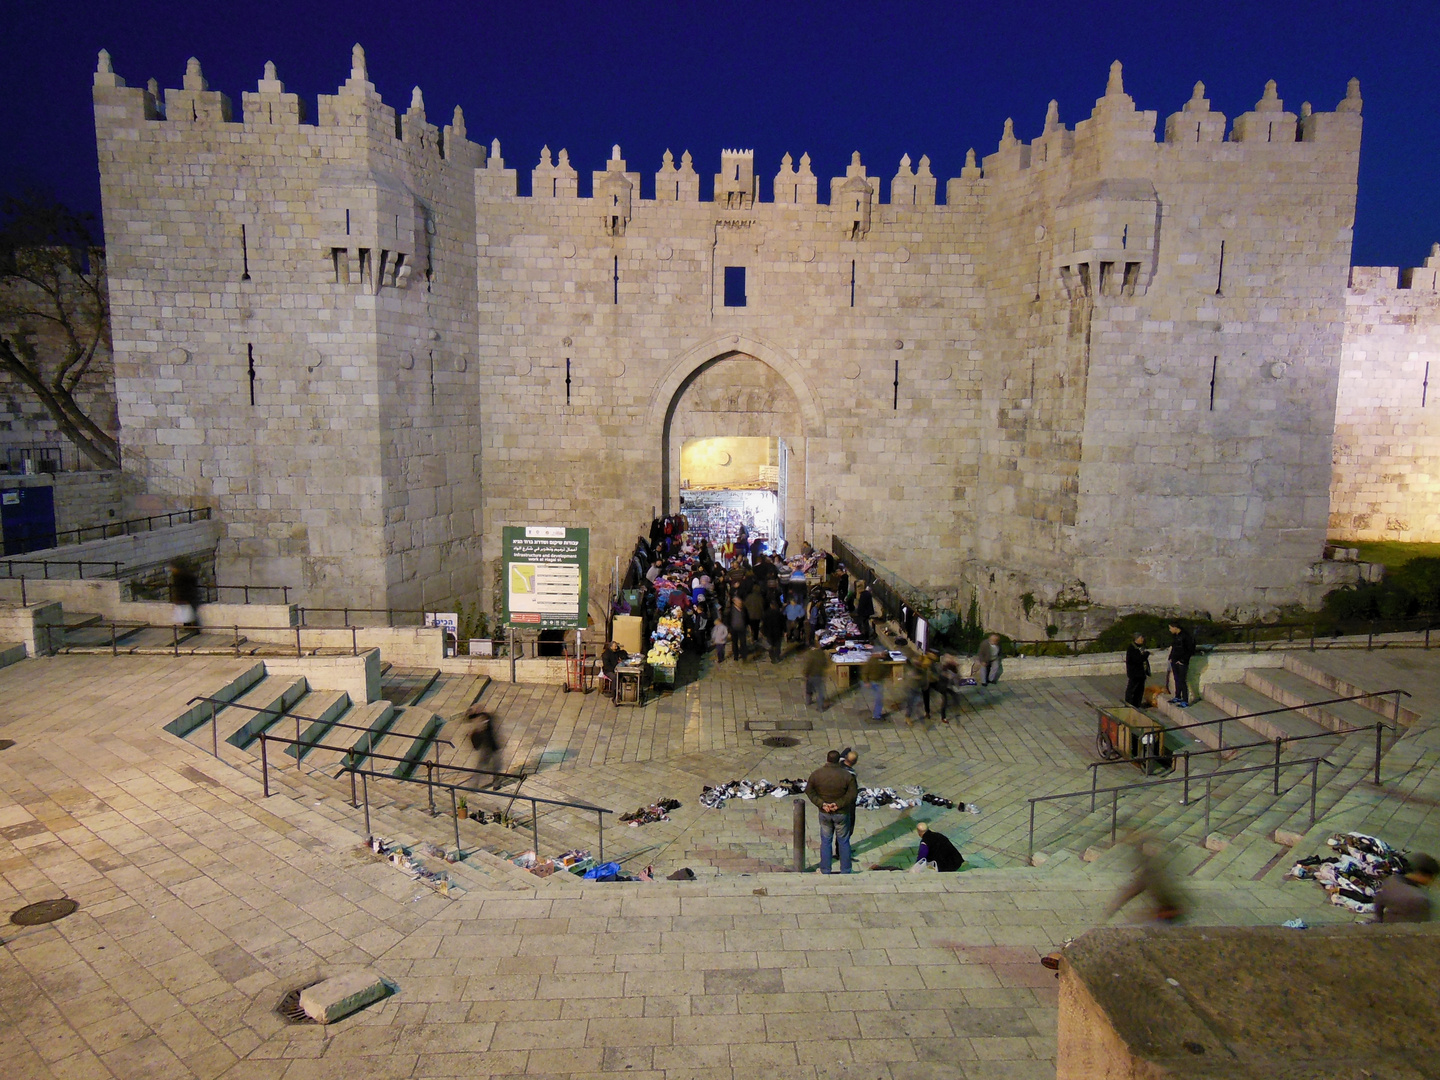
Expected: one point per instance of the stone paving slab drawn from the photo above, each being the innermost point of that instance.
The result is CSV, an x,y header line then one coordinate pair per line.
x,y
201,904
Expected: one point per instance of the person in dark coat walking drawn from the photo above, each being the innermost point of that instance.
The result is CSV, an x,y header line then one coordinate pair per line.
x,y
774,627
1182,648
1137,667
864,611
936,847
739,626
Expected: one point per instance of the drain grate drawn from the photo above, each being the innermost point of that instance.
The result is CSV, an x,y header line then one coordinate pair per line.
x,y
289,1008
46,911
781,740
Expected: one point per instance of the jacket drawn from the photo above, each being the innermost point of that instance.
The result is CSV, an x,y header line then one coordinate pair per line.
x,y
817,663
1182,648
1137,661
832,784
936,847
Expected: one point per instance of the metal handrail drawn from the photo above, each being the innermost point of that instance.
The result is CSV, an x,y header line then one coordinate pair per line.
x,y
1294,708
298,717
199,513
1250,631
12,562
1114,793
284,591
134,627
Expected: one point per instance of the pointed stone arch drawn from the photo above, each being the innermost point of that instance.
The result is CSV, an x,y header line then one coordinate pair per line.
x,y
698,359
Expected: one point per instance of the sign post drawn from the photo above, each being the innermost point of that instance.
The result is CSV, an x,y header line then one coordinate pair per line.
x,y
547,577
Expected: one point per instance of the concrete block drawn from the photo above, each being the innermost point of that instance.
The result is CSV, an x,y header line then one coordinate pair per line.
x,y
1216,842
1288,837
337,997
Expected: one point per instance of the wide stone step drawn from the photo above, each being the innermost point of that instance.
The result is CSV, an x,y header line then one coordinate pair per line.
x,y
202,712
1346,674
1290,688
340,743
312,718
1190,721
257,710
1238,699
408,736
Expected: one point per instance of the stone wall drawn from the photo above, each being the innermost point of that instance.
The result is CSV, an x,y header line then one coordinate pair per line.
x,y
1386,483
1054,382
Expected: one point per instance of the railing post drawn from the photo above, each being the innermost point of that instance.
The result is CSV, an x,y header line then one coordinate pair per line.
x,y
1278,743
113,650
354,642
455,816
214,731
350,768
298,750
298,653
1185,796
600,826
430,787
1114,812
1030,844
25,602
237,639
797,835
535,827
175,638
1379,732
264,765
1207,806
365,787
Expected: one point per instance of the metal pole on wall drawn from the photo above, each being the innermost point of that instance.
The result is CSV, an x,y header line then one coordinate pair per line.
x,y
510,630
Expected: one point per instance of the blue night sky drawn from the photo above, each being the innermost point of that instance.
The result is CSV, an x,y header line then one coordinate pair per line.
x,y
882,78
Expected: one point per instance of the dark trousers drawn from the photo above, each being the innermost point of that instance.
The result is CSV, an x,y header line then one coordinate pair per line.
x,y
863,624
1135,690
737,642
1180,669
776,644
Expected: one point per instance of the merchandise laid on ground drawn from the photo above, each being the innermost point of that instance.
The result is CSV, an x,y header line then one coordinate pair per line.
x,y
1354,872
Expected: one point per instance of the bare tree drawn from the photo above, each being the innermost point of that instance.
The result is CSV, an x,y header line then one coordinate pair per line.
x,y
54,313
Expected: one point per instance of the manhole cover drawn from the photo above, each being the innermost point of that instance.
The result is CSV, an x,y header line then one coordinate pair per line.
x,y
5,744
781,740
289,1008
45,911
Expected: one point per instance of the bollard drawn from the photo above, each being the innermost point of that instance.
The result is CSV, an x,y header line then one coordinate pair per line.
x,y
797,839
455,816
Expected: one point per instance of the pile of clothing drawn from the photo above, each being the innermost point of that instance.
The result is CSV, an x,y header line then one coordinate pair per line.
x,y
716,797
656,811
667,637
839,625
868,799
1354,872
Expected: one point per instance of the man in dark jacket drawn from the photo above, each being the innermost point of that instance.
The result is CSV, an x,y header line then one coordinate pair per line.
x,y
1137,667
864,611
936,847
833,790
774,626
1182,648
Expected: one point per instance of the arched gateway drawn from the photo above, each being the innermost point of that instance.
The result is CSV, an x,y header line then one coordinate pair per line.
x,y
735,416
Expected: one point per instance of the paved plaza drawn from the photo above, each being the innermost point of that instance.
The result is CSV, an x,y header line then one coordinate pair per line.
x,y
201,903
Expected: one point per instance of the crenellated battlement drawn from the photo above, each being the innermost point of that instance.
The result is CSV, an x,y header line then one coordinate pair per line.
x,y
1116,133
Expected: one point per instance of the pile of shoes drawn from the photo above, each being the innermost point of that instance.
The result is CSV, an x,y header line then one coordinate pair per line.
x,y
716,797
1354,872
657,811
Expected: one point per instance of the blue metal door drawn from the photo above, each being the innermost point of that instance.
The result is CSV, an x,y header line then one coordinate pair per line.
x,y
27,516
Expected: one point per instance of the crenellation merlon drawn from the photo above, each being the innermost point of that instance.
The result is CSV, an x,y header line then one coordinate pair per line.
x,y
677,183
270,104
796,186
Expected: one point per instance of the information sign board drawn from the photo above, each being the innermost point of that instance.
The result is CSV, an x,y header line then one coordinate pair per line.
x,y
547,572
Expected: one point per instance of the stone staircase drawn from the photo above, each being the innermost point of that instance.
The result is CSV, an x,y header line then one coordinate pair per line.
x,y
1252,827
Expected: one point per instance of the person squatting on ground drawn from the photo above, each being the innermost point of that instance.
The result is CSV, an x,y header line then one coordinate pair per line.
x,y
986,669
485,740
817,665
1137,668
1402,897
833,789
872,673
1182,648
936,848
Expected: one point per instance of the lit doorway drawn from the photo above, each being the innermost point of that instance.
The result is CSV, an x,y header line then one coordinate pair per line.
x,y
730,481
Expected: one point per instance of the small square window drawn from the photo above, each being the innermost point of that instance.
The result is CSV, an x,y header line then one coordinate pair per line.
x,y
734,286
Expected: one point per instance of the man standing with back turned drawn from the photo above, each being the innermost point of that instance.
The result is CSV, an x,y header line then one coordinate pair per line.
x,y
833,790
1182,648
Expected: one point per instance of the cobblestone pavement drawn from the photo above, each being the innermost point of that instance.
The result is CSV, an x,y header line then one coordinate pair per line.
x,y
202,903
1002,745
